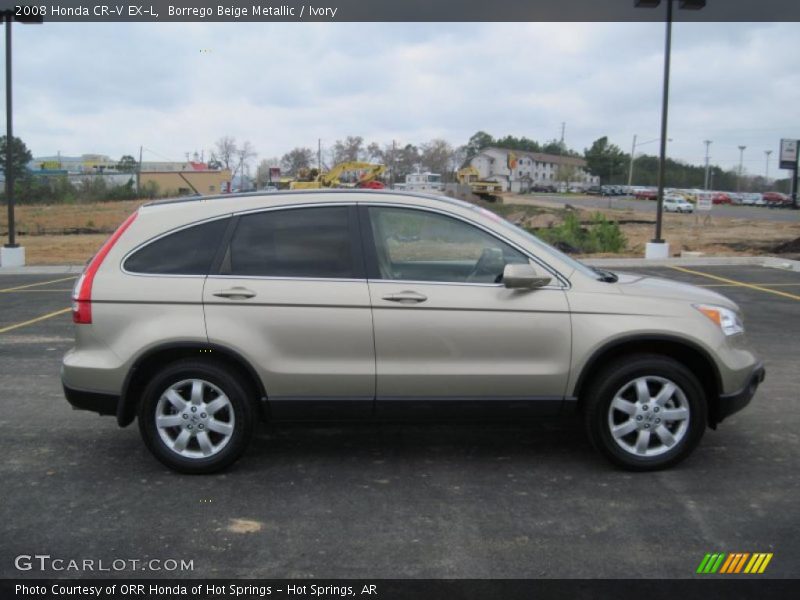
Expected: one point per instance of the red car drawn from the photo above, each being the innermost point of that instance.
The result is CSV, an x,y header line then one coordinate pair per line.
x,y
646,195
721,198
775,199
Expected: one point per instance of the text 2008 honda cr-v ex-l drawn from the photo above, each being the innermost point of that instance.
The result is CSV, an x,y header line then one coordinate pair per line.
x,y
201,317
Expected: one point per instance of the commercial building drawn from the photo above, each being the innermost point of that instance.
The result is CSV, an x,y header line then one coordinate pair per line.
x,y
171,183
521,171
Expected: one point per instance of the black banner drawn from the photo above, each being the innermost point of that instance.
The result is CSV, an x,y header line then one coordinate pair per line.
x,y
398,10
704,588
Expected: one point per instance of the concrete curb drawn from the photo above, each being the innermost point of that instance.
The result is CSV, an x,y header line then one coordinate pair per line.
x,y
694,261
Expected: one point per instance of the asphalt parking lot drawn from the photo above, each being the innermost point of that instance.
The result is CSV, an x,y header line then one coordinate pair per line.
x,y
468,501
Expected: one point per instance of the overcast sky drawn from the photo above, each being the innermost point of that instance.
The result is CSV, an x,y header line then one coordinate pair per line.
x,y
108,88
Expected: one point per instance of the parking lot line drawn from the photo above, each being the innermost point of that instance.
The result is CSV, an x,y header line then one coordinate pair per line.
x,y
30,285
60,291
738,283
36,320
768,285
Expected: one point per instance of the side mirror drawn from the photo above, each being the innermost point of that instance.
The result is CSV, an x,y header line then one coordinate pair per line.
x,y
521,276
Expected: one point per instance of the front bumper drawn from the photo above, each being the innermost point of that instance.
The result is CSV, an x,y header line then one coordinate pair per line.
x,y
103,404
728,404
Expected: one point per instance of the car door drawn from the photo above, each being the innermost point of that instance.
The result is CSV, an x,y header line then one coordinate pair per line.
x,y
290,296
449,337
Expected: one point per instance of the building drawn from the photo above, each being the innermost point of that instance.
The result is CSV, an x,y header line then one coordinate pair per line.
x,y
521,171
171,183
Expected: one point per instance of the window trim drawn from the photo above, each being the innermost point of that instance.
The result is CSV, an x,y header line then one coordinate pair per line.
x,y
160,236
354,236
371,260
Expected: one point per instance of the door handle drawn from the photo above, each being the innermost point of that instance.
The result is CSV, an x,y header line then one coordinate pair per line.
x,y
406,297
235,292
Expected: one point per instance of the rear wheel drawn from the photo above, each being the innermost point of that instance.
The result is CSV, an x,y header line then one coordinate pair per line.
x,y
645,412
195,417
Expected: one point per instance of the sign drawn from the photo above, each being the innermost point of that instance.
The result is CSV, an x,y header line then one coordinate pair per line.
x,y
704,201
788,154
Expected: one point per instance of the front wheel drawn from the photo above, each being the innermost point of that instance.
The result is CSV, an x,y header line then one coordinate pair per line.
x,y
195,417
645,412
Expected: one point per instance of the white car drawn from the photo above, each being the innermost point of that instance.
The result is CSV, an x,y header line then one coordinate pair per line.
x,y
675,203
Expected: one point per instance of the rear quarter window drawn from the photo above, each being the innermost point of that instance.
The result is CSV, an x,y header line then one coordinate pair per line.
x,y
189,251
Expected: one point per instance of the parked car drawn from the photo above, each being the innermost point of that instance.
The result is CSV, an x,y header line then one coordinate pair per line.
x,y
752,199
200,317
776,199
645,194
594,190
677,203
721,198
543,187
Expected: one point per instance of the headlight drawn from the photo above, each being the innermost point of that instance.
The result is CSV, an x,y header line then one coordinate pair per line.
x,y
727,319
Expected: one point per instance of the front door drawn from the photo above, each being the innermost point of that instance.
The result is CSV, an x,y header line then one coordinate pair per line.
x,y
448,334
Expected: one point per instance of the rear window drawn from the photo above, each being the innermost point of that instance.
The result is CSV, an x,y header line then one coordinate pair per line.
x,y
299,242
189,251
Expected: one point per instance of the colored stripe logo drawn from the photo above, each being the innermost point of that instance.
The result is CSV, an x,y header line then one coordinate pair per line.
x,y
734,563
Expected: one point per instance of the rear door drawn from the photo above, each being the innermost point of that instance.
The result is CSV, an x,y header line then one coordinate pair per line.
x,y
449,337
291,297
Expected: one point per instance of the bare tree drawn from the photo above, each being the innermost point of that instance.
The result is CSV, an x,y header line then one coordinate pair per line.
x,y
225,152
262,171
348,150
437,156
296,159
244,154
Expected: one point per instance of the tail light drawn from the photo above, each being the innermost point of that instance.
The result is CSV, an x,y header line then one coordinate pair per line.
x,y
82,293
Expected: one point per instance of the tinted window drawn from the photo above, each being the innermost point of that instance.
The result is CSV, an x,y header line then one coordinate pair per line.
x,y
299,242
415,245
186,252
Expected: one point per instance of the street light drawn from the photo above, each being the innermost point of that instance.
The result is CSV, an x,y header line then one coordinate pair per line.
x,y
11,255
708,145
741,159
633,154
766,171
657,248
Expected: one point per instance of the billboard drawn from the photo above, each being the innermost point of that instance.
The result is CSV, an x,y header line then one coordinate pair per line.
x,y
788,154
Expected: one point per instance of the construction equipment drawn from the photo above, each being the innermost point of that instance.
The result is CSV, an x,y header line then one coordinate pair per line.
x,y
367,179
486,190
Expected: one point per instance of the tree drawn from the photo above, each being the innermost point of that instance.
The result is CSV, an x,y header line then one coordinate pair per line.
x,y
224,152
437,156
566,173
349,150
127,164
244,154
262,171
20,157
478,142
607,161
294,160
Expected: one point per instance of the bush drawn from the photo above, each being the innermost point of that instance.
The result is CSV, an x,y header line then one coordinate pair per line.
x,y
602,235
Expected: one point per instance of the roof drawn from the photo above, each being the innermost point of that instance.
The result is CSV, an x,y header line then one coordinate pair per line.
x,y
541,156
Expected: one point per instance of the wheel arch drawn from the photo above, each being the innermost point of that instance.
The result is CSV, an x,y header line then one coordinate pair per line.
x,y
694,357
159,356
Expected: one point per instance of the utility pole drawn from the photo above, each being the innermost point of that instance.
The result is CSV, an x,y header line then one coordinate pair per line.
x,y
766,171
319,156
708,144
741,160
561,143
12,234
630,169
394,164
139,172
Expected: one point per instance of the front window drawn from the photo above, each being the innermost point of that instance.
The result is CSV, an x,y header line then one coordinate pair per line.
x,y
416,245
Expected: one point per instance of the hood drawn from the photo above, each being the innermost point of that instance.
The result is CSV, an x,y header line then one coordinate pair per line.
x,y
632,284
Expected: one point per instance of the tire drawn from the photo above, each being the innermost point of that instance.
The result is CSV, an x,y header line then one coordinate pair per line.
x,y
645,438
212,428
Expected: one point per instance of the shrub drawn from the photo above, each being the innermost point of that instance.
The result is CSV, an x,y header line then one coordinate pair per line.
x,y
602,235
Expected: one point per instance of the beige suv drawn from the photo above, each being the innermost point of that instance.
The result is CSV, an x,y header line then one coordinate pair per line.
x,y
202,316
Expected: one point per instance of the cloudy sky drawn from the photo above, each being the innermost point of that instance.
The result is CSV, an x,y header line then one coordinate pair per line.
x,y
174,88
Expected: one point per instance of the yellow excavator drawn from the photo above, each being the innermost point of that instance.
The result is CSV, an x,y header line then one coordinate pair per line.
x,y
486,190
311,180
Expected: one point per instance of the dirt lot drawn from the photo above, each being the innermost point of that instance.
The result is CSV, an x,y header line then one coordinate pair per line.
x,y
719,236
48,231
